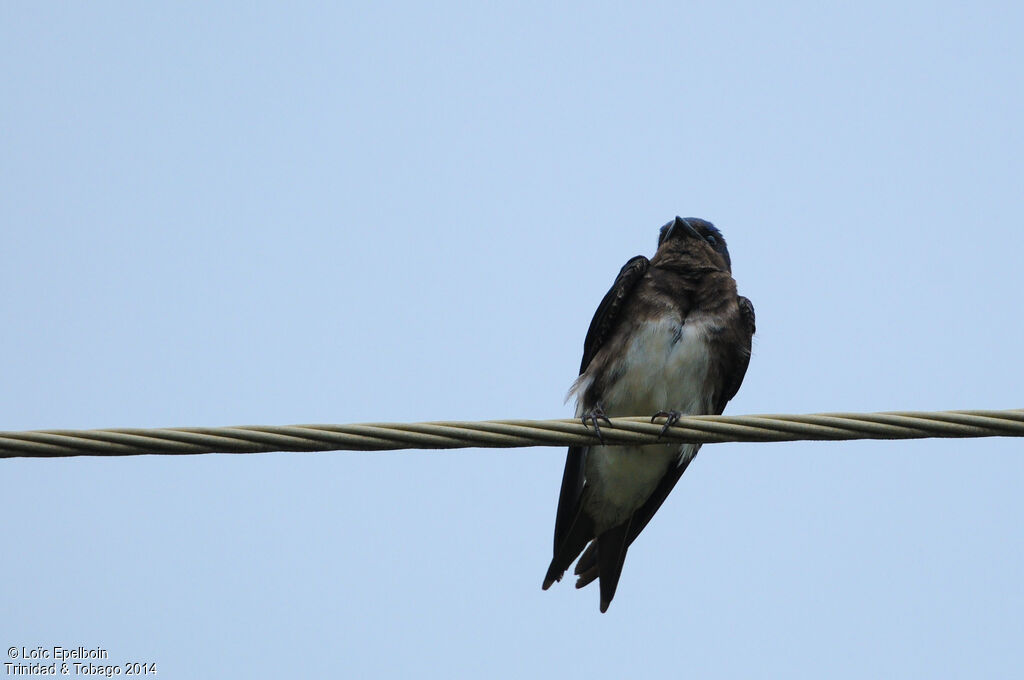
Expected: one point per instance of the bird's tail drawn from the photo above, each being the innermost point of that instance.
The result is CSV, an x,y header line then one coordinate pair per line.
x,y
586,569
611,555
568,549
602,559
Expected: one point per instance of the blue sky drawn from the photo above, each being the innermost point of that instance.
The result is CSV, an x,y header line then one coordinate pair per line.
x,y
256,213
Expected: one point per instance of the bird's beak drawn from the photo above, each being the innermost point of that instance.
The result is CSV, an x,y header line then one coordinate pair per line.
x,y
683,226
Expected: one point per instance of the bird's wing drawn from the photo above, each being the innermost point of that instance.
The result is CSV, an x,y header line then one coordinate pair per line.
x,y
733,382
587,567
606,318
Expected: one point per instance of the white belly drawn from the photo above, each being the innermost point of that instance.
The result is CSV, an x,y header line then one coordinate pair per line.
x,y
664,368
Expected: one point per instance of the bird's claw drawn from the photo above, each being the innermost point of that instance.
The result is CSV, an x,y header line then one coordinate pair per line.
x,y
593,417
671,418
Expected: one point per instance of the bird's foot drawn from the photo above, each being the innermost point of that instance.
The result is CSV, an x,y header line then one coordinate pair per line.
x,y
671,418
593,417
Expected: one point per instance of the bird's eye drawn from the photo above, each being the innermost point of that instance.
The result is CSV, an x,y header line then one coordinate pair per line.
x,y
711,239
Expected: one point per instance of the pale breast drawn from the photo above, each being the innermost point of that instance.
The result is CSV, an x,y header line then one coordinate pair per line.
x,y
664,366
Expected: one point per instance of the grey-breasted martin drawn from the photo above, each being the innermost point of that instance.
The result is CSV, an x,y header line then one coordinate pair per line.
x,y
670,338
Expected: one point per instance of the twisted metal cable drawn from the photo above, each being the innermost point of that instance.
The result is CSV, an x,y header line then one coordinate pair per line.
x,y
509,433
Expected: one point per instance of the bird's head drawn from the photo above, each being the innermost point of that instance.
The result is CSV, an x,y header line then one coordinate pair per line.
x,y
698,236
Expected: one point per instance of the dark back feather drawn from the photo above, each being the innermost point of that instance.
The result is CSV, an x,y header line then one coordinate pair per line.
x,y
607,316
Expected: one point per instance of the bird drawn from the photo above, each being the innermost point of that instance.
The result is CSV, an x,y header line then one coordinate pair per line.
x,y
672,337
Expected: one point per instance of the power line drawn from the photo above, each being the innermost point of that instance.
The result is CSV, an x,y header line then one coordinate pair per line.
x,y
509,433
